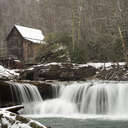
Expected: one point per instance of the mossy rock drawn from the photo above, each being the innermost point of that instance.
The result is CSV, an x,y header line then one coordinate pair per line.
x,y
34,125
22,119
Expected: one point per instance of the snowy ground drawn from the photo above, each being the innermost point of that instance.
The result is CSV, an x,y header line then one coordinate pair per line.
x,y
11,120
100,65
7,73
96,65
105,65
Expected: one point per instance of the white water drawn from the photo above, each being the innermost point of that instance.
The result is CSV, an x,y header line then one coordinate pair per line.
x,y
25,94
96,98
90,98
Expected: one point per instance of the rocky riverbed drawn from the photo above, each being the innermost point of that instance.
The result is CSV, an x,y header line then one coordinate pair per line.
x,y
58,71
76,72
44,76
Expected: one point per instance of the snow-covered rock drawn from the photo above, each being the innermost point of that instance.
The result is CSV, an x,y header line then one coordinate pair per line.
x,y
11,120
116,72
58,71
104,65
7,74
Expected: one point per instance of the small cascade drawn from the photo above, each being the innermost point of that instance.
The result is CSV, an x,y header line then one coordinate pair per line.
x,y
26,94
108,98
55,90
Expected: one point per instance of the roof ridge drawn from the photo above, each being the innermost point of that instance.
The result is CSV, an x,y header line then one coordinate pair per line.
x,y
31,34
26,27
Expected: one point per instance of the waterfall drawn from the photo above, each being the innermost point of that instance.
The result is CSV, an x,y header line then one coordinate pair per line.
x,y
94,97
108,98
26,94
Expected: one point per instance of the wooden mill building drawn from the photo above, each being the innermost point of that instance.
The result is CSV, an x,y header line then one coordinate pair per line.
x,y
22,43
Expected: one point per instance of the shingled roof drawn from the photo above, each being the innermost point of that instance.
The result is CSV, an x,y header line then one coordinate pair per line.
x,y
31,34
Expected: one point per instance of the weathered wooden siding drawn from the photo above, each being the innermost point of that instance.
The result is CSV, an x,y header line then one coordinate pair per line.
x,y
30,51
35,49
14,44
25,48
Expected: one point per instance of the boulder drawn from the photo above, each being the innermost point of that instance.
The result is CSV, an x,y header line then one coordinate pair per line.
x,y
59,71
7,74
11,120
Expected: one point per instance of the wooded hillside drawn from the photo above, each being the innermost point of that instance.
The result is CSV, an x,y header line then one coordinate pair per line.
x,y
97,21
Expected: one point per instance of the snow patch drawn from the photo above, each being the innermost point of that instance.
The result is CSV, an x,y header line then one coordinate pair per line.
x,y
103,65
4,72
9,119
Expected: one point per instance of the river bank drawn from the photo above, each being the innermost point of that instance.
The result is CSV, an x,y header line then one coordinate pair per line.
x,y
44,76
76,72
48,88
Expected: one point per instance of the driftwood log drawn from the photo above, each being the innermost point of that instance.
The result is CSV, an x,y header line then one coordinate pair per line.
x,y
13,109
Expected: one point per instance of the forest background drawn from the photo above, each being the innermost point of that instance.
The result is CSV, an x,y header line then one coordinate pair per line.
x,y
88,29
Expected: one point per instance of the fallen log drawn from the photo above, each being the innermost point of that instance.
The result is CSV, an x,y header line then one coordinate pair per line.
x,y
13,109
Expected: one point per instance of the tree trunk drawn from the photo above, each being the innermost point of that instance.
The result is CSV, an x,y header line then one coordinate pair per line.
x,y
75,24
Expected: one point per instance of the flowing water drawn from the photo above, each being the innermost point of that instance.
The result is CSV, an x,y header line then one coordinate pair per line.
x,y
97,98
26,94
93,104
82,123
94,97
